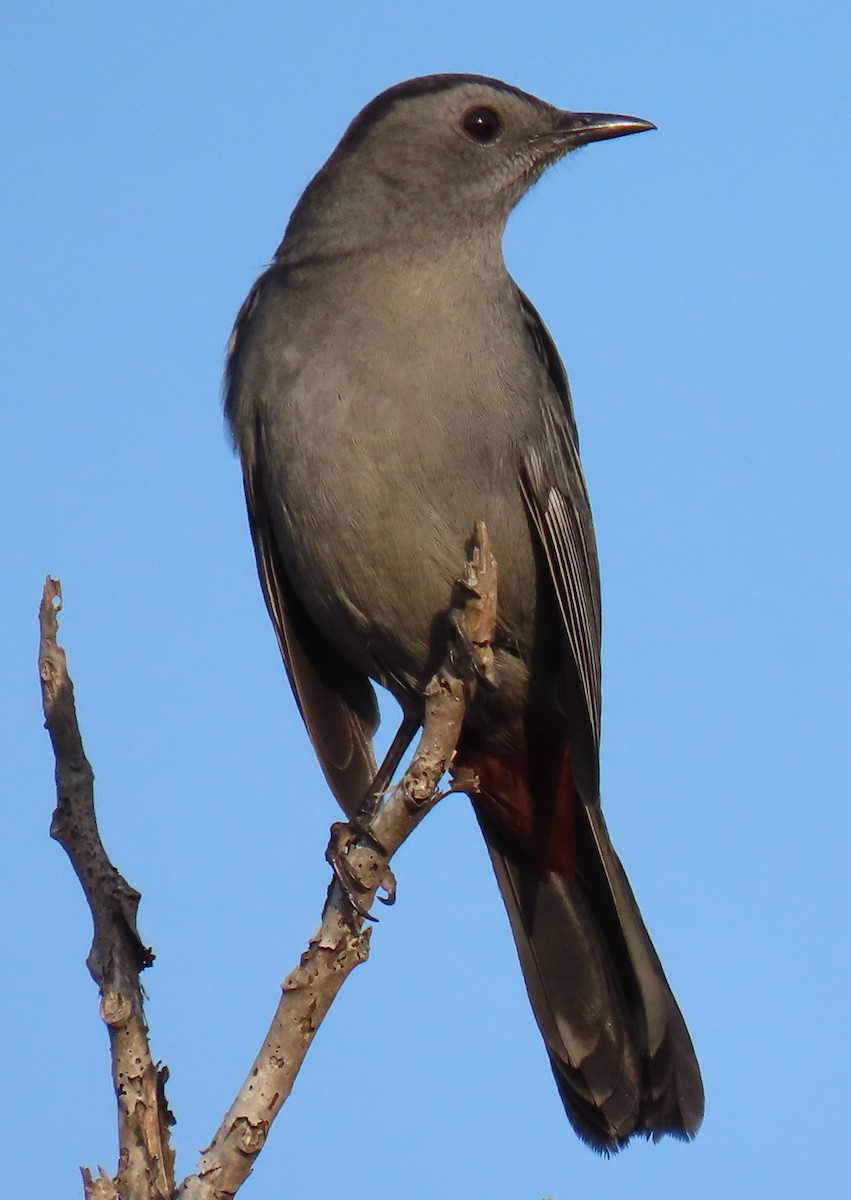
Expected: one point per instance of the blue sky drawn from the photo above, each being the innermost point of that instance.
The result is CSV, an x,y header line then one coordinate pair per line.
x,y
696,282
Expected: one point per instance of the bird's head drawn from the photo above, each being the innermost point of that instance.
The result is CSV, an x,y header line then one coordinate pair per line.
x,y
442,156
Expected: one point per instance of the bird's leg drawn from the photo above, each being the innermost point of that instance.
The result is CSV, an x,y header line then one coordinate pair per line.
x,y
343,836
401,741
472,621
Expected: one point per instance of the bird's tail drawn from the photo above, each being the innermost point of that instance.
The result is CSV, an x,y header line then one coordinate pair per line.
x,y
618,1045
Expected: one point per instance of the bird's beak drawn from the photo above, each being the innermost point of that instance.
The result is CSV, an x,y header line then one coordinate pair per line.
x,y
577,129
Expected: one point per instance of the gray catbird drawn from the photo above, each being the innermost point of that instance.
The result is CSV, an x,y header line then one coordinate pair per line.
x,y
388,385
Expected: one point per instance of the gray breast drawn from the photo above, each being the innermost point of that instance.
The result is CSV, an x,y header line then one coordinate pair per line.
x,y
387,431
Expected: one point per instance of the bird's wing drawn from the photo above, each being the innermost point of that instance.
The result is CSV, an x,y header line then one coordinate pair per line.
x,y
337,702
556,497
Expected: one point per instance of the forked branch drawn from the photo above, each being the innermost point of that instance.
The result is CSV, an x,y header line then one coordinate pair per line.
x,y
146,1161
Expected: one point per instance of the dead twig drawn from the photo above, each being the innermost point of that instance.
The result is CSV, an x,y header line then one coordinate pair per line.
x,y
146,1161
118,955
341,941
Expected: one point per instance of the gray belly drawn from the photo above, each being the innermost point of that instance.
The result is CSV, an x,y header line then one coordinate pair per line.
x,y
372,507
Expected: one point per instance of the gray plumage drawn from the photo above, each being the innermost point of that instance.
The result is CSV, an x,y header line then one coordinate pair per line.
x,y
389,385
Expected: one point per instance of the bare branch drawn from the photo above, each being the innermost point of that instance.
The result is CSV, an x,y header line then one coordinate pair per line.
x,y
117,956
341,941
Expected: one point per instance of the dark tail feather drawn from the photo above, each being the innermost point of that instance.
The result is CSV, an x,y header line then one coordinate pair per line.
x,y
618,1045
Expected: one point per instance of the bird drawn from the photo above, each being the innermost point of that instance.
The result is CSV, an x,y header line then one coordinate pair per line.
x,y
387,386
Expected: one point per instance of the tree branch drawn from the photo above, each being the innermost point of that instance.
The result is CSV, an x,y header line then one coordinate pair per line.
x,y
146,1161
341,942
118,955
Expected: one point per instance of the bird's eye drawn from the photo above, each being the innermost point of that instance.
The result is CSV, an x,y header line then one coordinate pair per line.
x,y
481,124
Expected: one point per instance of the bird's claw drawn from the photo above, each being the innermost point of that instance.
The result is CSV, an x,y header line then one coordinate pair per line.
x,y
344,836
388,888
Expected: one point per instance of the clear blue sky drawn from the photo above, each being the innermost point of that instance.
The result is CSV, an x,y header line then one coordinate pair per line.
x,y
696,282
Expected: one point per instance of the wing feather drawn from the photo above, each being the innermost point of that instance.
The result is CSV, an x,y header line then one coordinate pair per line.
x,y
553,486
337,702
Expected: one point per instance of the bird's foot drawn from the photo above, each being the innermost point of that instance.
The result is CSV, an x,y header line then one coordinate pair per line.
x,y
346,837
